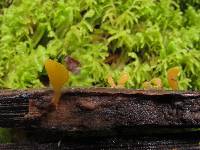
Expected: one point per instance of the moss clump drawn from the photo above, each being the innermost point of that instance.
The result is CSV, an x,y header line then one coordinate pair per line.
x,y
144,38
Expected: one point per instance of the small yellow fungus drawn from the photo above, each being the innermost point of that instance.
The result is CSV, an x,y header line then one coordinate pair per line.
x,y
111,81
147,85
58,75
172,75
122,80
156,83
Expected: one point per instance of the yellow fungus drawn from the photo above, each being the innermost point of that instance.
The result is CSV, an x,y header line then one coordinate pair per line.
x,y
147,85
122,80
156,83
58,75
111,81
172,75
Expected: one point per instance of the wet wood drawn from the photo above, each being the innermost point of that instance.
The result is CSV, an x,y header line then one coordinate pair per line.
x,y
99,109
167,142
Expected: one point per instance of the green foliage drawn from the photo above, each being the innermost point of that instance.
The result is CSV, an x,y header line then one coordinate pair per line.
x,y
151,36
185,3
5,3
5,135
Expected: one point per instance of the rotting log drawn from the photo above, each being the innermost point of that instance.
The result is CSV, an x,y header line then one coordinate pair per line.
x,y
99,109
187,141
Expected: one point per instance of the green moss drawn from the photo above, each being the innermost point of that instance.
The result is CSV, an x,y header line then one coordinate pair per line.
x,y
150,36
5,135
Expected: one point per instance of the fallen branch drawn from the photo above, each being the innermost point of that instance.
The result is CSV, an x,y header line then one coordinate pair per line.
x,y
99,109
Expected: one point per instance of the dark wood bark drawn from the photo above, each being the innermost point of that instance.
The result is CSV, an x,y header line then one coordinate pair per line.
x,y
179,141
99,109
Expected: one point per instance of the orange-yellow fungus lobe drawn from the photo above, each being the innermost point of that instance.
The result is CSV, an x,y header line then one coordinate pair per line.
x,y
156,83
122,80
147,85
111,81
58,75
172,75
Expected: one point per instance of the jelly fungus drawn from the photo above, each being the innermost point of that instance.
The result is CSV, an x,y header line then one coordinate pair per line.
x,y
147,85
111,81
58,75
156,83
122,80
172,75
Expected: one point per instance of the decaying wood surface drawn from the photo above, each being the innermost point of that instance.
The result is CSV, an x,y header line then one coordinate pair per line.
x,y
99,109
